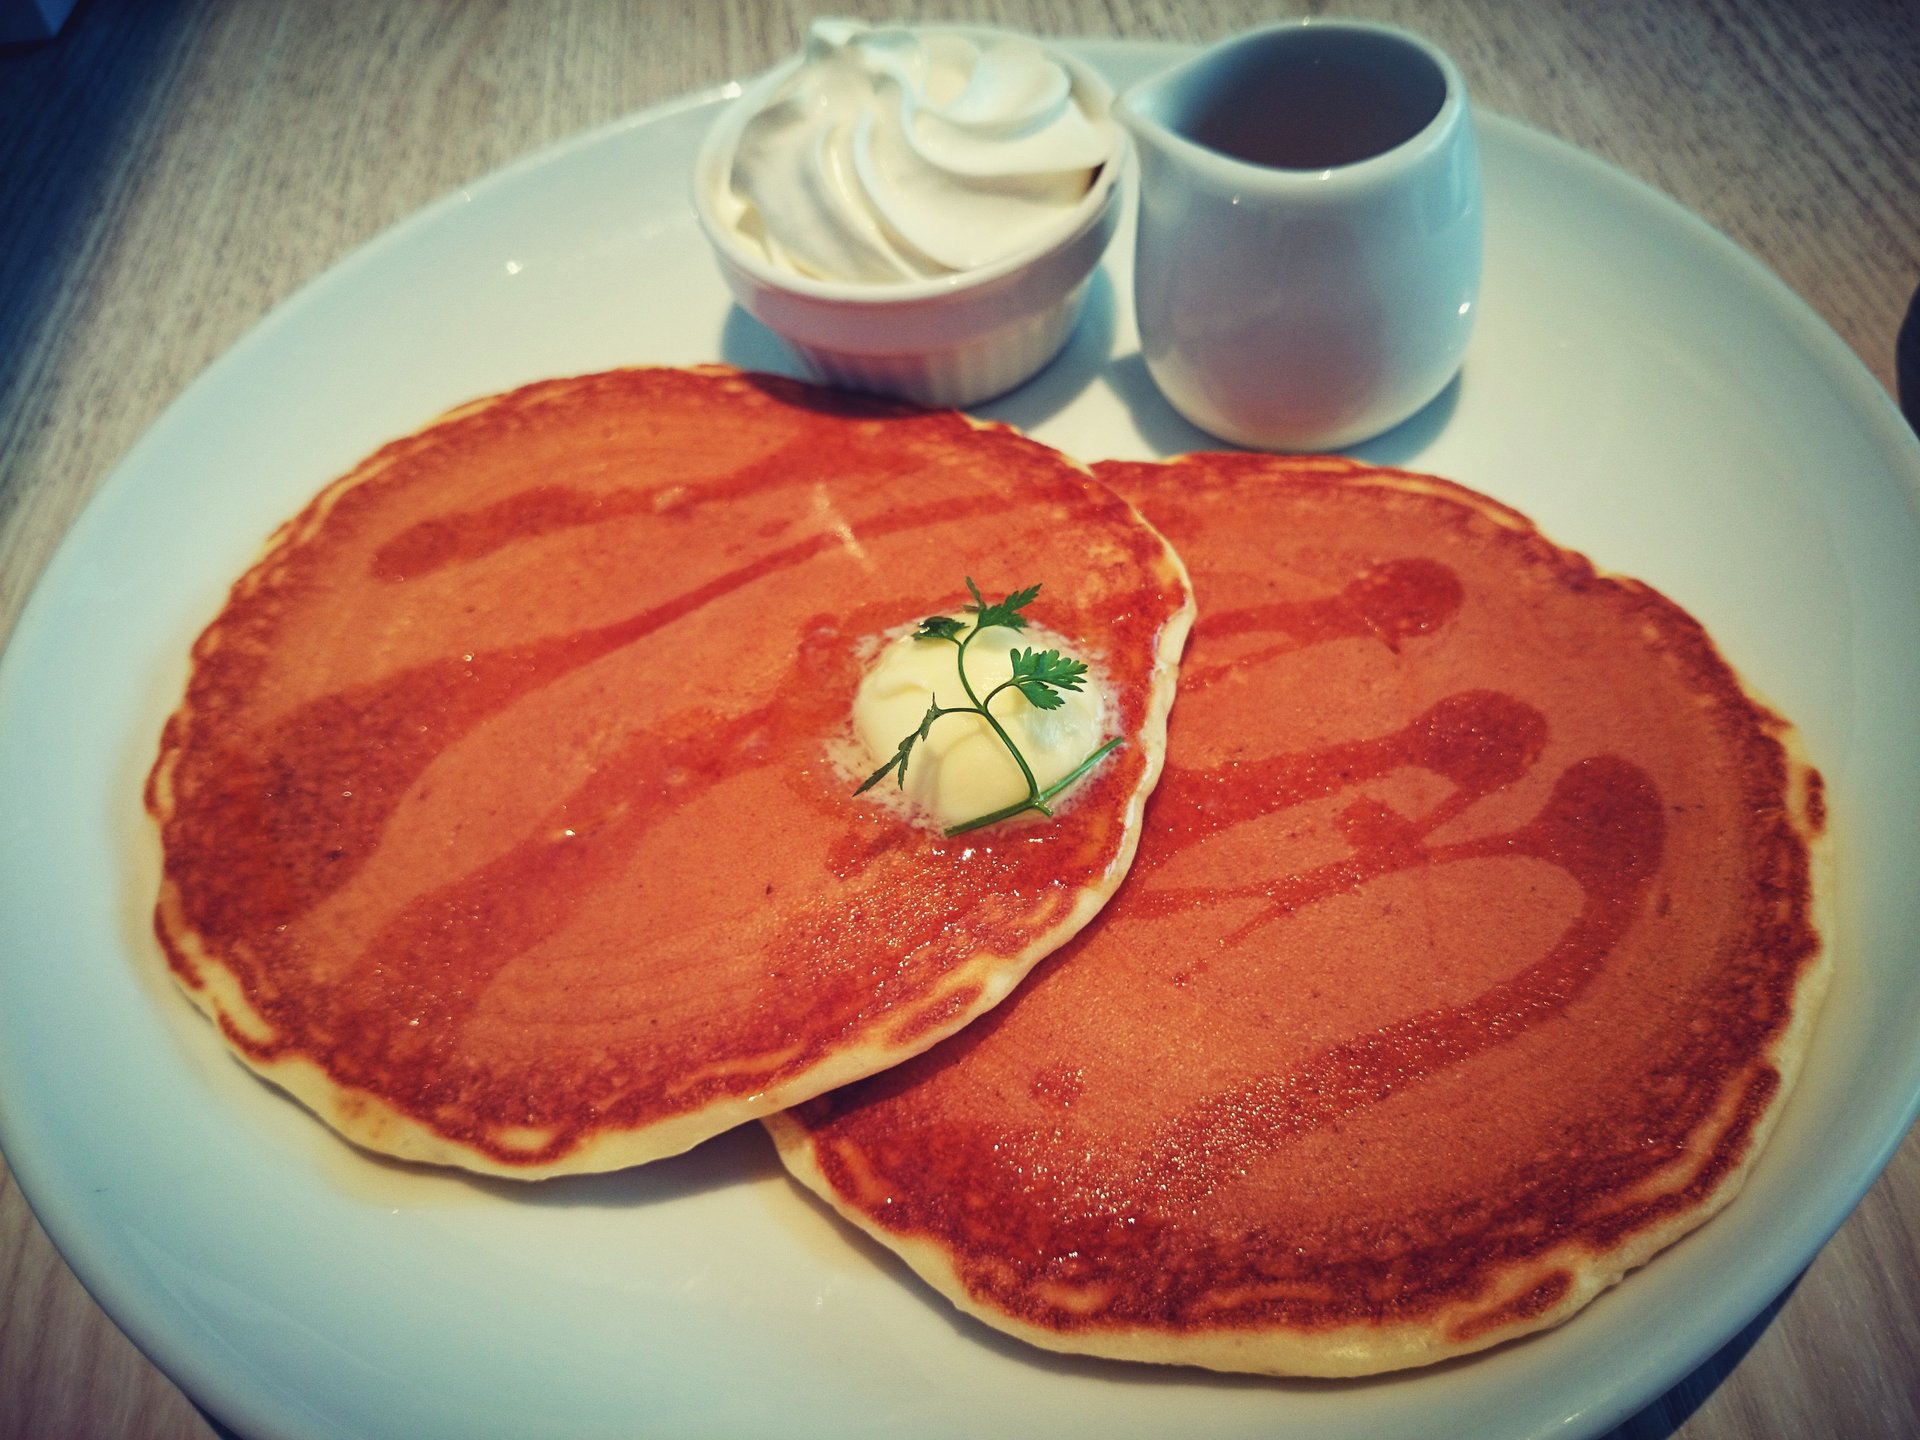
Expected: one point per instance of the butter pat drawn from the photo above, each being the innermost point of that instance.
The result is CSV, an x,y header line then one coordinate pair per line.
x,y
962,770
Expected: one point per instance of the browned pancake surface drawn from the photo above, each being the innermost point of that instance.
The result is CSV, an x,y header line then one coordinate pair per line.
x,y
499,821
1464,956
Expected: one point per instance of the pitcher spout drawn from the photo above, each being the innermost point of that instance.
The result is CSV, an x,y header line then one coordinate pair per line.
x,y
1144,107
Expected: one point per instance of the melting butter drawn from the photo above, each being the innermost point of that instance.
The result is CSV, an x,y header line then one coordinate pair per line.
x,y
962,770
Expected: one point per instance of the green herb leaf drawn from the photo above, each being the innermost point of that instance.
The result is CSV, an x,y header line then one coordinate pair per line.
x,y
1006,614
898,762
939,627
905,752
1041,675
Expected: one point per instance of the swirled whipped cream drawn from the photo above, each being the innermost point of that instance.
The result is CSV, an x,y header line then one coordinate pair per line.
x,y
894,154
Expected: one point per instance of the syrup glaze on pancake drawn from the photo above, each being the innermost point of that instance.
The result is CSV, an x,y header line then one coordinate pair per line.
x,y
1463,964
499,820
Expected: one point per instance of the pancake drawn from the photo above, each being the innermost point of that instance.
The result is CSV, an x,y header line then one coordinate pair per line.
x,y
1465,962
501,819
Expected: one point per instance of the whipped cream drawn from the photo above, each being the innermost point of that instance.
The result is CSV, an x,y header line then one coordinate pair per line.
x,y
962,770
896,154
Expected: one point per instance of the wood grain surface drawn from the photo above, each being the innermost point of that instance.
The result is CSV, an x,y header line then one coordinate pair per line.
x,y
169,169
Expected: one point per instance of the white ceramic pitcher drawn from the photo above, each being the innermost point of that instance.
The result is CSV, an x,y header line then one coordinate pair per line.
x,y
1308,260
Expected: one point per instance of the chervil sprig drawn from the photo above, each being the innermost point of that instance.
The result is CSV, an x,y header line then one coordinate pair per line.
x,y
1039,675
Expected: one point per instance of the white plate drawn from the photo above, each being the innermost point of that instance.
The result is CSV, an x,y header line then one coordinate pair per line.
x,y
1645,391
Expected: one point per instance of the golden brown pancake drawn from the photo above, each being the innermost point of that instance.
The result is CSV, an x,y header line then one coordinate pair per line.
x,y
1464,963
499,818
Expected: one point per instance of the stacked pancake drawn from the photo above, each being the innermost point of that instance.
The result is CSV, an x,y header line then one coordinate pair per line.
x,y
502,819
1464,962
1463,966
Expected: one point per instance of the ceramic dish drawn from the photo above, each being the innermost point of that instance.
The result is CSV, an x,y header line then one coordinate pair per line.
x,y
1637,385
951,340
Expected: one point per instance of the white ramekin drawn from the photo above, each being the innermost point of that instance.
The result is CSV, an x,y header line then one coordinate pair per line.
x,y
951,341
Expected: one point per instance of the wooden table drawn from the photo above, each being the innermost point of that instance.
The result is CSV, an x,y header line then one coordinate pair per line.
x,y
169,169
